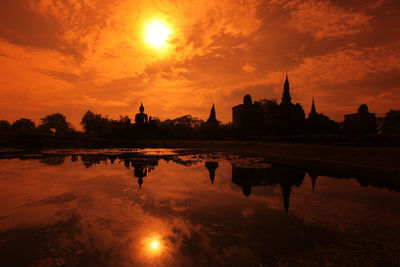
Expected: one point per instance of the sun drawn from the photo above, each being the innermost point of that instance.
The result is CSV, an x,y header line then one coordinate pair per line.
x,y
154,245
157,33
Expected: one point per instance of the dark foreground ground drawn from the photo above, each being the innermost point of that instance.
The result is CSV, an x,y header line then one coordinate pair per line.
x,y
375,162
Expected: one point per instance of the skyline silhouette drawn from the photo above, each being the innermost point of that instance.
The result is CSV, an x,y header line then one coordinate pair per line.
x,y
264,117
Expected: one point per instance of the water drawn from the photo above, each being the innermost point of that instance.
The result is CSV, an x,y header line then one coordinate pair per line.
x,y
174,208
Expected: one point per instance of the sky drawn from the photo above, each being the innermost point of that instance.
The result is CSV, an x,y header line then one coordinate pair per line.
x,y
70,56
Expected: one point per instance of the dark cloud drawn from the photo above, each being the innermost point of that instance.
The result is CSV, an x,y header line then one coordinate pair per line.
x,y
372,84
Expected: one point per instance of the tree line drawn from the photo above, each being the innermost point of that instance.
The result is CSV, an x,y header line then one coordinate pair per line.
x,y
185,127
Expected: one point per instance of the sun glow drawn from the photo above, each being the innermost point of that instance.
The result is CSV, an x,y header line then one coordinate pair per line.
x,y
154,245
157,33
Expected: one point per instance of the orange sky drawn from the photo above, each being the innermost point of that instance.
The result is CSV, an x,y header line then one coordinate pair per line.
x,y
72,55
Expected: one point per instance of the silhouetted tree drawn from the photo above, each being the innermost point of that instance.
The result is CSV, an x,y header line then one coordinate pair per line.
x,y
5,127
390,124
56,122
24,126
95,124
182,127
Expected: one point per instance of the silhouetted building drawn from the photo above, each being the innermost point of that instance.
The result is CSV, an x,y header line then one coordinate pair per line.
x,y
247,117
212,167
318,123
313,112
360,123
212,119
211,126
291,117
141,118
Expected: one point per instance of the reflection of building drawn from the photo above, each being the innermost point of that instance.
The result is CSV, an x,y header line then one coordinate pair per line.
x,y
285,176
249,177
211,167
141,167
141,118
313,177
361,122
247,116
140,172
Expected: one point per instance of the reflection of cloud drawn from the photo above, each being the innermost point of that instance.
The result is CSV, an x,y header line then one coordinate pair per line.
x,y
79,215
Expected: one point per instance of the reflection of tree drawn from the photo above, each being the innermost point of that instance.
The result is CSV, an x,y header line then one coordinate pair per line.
x,y
183,162
211,167
53,160
285,176
89,160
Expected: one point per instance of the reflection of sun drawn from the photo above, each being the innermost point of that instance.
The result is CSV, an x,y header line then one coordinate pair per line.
x,y
153,245
157,33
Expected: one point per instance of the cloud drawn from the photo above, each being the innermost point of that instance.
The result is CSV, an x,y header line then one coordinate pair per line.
x,y
69,56
323,19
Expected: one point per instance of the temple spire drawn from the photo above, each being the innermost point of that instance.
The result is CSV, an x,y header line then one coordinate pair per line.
x,y
313,110
211,167
212,113
286,197
313,180
286,98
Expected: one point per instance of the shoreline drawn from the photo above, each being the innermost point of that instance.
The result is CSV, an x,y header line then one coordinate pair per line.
x,y
379,163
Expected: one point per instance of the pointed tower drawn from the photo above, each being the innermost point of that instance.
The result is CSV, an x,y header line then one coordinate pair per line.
x,y
212,113
313,106
140,182
286,98
313,109
286,197
212,121
211,167
313,177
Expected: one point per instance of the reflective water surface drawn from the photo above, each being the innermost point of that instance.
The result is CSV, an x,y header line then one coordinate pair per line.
x,y
171,208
